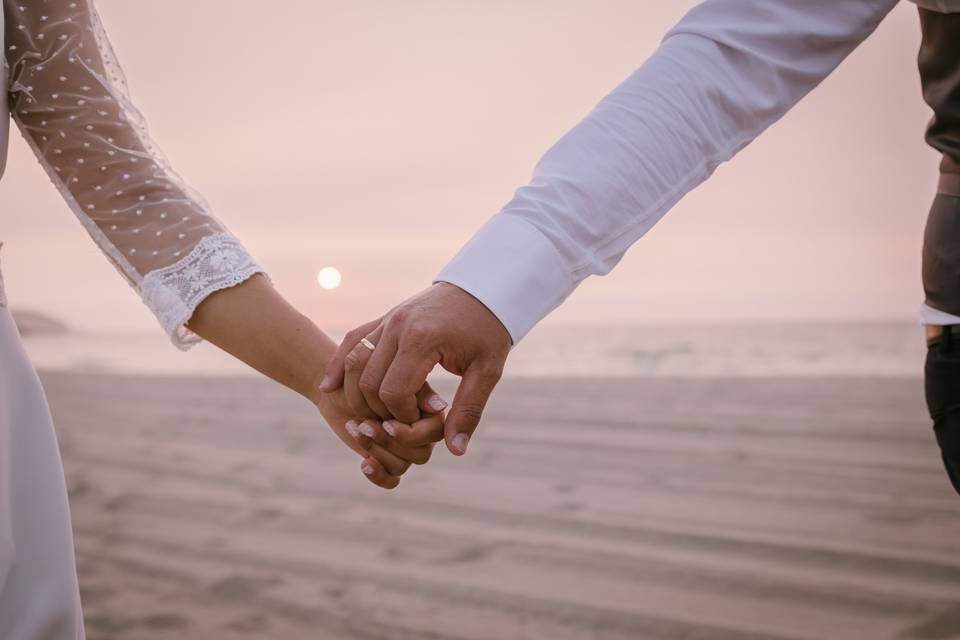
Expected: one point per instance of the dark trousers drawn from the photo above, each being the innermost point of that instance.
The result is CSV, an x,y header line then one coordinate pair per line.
x,y
943,399
941,280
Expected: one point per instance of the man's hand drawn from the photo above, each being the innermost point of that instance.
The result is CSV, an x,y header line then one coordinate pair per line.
x,y
442,325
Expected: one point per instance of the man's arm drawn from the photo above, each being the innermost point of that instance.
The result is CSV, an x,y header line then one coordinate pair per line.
x,y
725,73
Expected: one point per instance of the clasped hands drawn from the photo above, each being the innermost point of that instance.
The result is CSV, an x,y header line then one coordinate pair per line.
x,y
380,395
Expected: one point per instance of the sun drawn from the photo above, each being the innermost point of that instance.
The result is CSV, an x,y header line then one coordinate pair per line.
x,y
329,278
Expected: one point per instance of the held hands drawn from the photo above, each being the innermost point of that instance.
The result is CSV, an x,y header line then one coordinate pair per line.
x,y
253,322
442,325
388,448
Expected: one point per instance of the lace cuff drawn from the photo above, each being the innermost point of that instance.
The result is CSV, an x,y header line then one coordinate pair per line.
x,y
173,293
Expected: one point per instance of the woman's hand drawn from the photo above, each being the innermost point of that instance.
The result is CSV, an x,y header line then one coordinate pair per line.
x,y
252,322
388,448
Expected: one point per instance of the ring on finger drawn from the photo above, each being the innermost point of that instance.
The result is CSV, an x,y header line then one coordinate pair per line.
x,y
368,344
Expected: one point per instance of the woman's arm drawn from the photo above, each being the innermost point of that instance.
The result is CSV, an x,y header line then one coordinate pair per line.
x,y
70,100
69,97
255,324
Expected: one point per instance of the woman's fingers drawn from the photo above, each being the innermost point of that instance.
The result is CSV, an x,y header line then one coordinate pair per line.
x,y
371,433
375,472
430,401
393,464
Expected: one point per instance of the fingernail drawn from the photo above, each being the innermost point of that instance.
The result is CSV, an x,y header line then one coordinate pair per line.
x,y
325,383
390,428
353,428
460,442
437,403
367,430
367,468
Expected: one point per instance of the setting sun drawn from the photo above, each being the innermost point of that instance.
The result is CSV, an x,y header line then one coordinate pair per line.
x,y
329,278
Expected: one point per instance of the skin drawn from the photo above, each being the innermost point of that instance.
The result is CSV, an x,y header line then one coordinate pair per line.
x,y
442,325
256,325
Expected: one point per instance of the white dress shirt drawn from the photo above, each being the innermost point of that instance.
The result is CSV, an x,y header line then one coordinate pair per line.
x,y
725,73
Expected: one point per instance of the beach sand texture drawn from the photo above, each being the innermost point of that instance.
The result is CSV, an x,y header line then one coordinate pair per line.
x,y
620,509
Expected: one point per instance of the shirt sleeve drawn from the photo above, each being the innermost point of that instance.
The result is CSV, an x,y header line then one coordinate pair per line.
x,y
725,73
70,100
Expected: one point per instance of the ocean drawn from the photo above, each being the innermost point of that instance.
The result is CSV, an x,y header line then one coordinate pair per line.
x,y
816,350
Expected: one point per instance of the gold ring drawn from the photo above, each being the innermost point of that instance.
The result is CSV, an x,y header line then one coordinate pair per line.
x,y
368,344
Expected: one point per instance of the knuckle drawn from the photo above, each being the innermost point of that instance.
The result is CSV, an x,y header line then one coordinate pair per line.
x,y
399,316
391,396
353,362
492,374
367,387
417,334
471,411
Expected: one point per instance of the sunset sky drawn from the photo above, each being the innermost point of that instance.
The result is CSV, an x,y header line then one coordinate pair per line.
x,y
376,136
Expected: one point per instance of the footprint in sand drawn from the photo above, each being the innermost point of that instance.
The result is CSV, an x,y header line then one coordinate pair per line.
x,y
564,488
242,587
165,621
254,623
473,553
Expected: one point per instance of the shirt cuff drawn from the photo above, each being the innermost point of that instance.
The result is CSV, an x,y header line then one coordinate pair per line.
x,y
514,270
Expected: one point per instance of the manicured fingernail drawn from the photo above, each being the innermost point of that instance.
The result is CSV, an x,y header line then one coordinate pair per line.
x,y
368,430
390,428
353,428
437,403
367,468
325,383
460,442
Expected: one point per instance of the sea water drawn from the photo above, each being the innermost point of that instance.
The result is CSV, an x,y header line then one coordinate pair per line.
x,y
880,349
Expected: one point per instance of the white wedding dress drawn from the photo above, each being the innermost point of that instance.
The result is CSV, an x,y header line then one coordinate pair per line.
x,y
70,101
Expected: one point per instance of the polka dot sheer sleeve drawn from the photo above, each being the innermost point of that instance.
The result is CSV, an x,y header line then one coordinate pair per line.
x,y
70,100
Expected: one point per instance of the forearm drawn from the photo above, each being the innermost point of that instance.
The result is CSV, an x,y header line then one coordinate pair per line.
x,y
254,323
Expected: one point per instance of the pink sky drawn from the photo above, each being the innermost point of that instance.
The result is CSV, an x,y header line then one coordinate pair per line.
x,y
376,136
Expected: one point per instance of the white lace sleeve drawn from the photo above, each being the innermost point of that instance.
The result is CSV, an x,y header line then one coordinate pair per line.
x,y
70,99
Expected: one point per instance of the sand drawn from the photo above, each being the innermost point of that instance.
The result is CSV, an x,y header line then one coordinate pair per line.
x,y
602,509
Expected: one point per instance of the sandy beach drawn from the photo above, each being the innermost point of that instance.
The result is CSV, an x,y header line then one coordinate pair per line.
x,y
620,509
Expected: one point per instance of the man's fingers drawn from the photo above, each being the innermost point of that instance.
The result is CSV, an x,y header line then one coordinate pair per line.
x,y
378,361
429,400
375,473
468,404
354,366
333,376
407,374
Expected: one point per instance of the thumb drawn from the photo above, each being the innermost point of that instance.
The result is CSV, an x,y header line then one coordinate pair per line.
x,y
333,376
429,401
468,405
